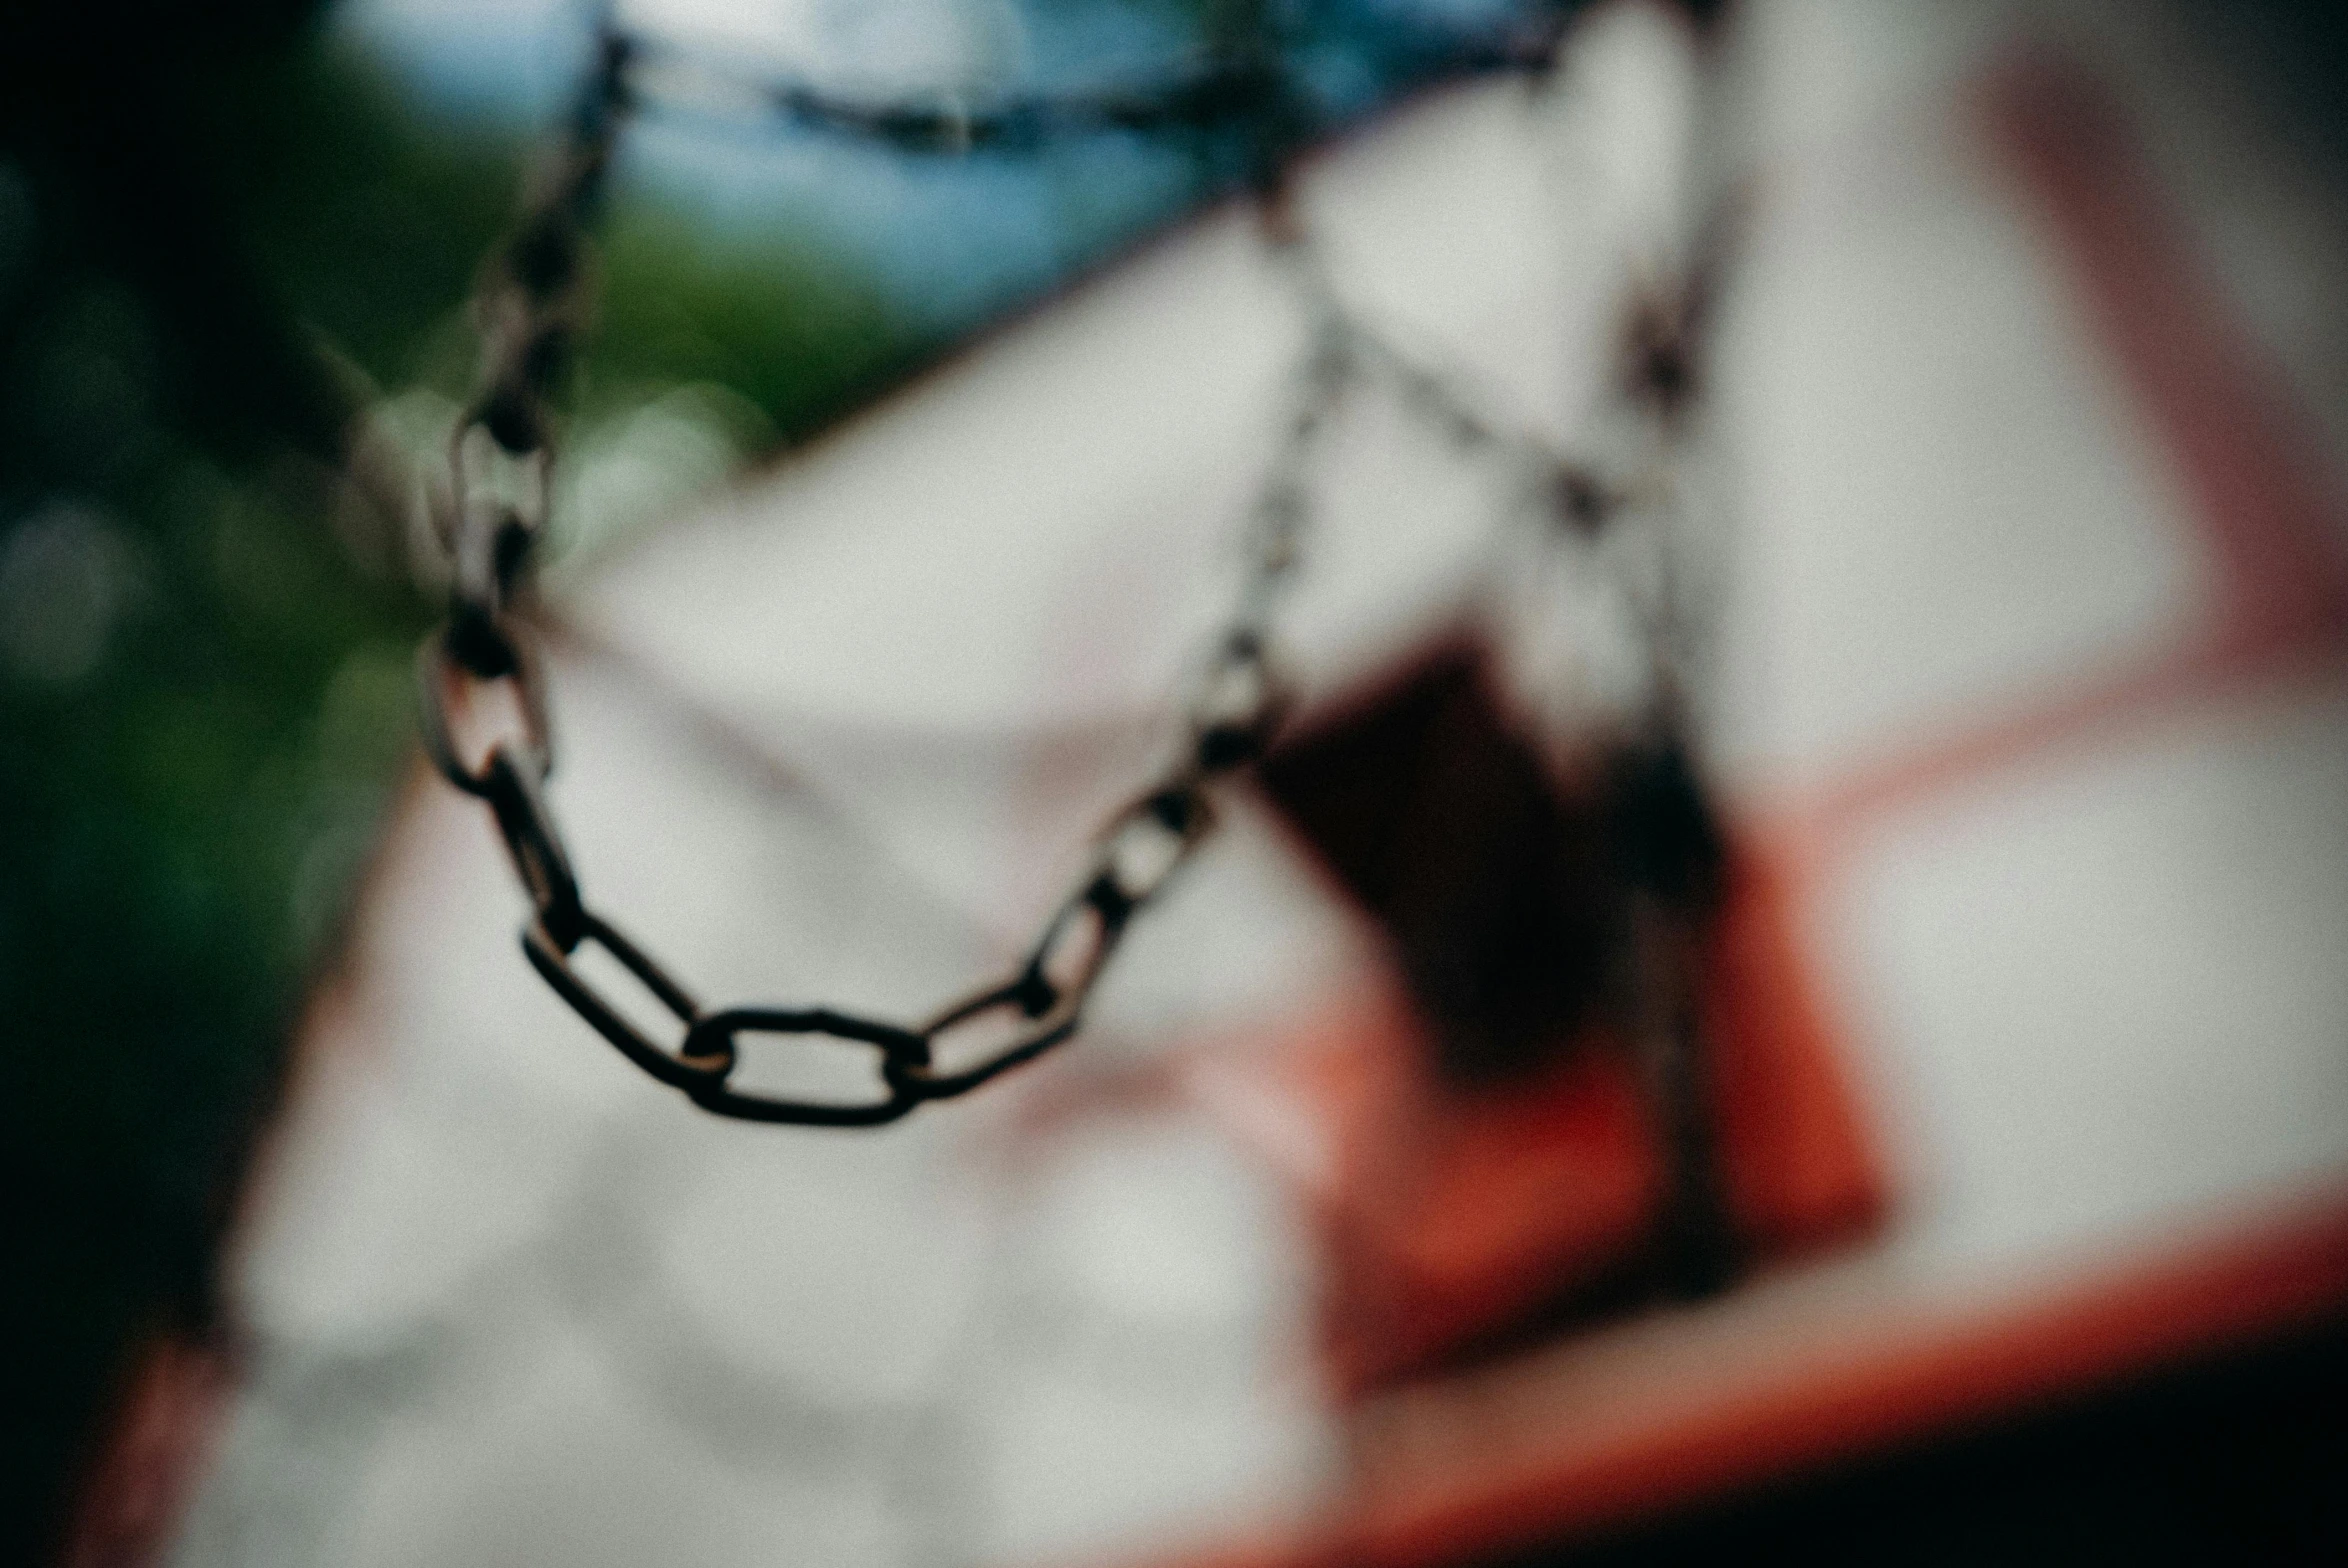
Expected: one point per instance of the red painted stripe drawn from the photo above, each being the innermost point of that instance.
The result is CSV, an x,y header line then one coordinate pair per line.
x,y
1818,1397
2263,503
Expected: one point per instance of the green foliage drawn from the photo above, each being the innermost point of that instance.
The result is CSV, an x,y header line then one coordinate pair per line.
x,y
371,220
774,322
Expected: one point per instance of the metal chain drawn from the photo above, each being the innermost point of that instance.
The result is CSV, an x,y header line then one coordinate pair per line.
x,y
491,514
491,511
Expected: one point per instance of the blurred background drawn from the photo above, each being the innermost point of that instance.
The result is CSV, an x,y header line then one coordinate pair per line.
x,y
1921,427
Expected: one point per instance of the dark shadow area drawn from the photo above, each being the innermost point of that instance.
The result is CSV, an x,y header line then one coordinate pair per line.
x,y
2243,1459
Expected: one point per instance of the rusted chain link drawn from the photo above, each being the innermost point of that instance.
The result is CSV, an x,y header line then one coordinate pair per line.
x,y
532,305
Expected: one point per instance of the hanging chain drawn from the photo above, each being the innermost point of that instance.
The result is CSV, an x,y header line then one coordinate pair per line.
x,y
491,516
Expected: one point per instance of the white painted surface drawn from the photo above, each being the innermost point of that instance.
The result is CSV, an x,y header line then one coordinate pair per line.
x,y
2112,985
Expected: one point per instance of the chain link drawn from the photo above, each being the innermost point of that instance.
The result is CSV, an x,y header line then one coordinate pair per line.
x,y
532,305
